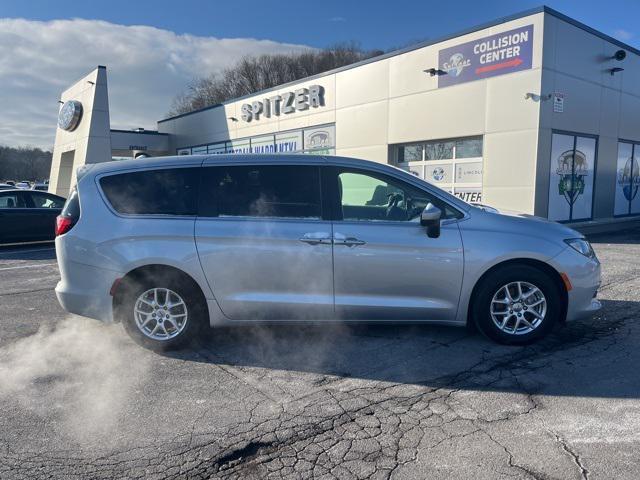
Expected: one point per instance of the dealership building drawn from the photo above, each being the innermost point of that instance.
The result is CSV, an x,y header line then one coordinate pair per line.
x,y
536,113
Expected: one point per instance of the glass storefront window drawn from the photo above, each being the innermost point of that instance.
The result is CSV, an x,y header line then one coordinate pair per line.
x,y
455,165
317,140
216,148
438,150
410,153
469,147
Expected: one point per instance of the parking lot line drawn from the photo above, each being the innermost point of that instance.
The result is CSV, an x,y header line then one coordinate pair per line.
x,y
28,266
33,250
21,244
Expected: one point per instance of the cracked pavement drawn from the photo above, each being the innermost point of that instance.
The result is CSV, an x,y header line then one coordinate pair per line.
x,y
80,400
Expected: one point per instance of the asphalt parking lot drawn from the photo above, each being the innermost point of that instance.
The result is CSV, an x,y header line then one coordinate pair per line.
x,y
79,400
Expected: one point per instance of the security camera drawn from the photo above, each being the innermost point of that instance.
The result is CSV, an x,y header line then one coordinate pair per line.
x,y
620,55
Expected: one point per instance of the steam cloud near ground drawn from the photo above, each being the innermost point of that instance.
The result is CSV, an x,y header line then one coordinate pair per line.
x,y
85,370
90,375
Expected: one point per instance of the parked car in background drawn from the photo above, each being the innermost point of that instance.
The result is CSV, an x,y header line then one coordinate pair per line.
x,y
23,185
28,215
40,186
168,245
6,186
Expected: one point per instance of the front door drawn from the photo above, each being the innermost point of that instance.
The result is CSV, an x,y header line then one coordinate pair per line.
x,y
385,265
263,242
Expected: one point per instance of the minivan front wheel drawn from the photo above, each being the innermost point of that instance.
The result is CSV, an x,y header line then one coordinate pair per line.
x,y
161,315
517,305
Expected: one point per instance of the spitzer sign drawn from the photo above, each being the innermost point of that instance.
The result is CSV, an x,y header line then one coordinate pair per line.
x,y
497,54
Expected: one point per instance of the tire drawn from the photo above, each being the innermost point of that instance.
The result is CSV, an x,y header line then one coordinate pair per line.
x,y
499,293
139,311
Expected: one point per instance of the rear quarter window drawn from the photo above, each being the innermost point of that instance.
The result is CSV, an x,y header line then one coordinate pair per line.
x,y
71,207
153,192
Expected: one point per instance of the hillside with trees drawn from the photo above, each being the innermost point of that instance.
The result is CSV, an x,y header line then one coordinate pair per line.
x,y
252,74
24,163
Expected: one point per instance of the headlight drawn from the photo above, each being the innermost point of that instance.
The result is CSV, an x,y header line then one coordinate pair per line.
x,y
580,245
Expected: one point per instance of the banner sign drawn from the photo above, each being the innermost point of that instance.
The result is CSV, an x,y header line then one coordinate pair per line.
x,y
571,177
497,54
288,142
239,146
264,144
627,197
320,141
469,195
469,172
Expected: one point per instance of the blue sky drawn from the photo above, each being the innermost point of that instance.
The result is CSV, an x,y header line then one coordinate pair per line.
x,y
380,24
154,50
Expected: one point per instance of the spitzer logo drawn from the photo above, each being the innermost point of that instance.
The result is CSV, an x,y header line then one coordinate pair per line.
x,y
456,64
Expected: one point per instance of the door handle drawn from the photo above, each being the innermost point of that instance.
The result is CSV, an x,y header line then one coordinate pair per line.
x,y
339,239
316,238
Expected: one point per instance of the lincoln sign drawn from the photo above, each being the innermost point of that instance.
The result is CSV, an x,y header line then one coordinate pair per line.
x,y
288,102
497,54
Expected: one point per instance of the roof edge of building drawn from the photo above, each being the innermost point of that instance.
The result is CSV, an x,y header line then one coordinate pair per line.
x,y
426,43
144,132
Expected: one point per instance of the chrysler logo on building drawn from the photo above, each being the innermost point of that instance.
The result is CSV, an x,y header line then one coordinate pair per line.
x,y
70,115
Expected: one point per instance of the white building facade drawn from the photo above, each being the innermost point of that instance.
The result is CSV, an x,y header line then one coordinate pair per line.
x,y
535,113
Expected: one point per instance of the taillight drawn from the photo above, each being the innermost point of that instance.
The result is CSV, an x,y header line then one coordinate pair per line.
x,y
69,215
63,224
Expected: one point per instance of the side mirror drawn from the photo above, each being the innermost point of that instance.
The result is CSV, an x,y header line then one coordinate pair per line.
x,y
430,218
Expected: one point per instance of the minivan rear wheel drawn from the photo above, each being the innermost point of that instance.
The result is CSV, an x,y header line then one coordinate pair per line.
x,y
163,314
516,305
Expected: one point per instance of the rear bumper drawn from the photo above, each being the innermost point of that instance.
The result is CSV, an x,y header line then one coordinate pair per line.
x,y
84,290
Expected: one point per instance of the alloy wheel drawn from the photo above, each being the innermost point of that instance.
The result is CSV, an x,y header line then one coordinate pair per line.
x,y
518,308
160,314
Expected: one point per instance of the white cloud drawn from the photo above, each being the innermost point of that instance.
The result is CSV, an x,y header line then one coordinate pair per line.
x,y
146,68
623,35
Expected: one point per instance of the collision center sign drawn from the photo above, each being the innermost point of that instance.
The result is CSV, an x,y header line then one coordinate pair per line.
x,y
497,54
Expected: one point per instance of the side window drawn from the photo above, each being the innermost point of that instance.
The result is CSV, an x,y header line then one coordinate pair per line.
x,y
276,191
12,200
153,192
368,197
40,200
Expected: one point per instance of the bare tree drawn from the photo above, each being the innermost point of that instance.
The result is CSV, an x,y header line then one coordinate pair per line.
x,y
24,163
254,73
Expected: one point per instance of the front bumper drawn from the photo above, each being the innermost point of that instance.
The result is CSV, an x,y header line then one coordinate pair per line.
x,y
584,275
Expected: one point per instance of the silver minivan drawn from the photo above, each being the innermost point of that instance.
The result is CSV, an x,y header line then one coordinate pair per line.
x,y
169,245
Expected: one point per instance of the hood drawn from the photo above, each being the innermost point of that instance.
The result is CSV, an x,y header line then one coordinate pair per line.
x,y
523,221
